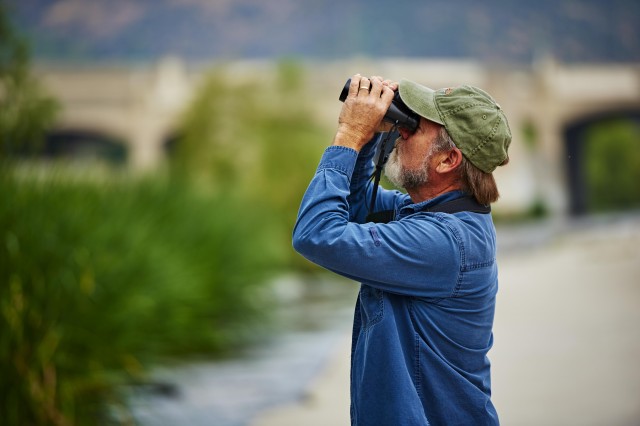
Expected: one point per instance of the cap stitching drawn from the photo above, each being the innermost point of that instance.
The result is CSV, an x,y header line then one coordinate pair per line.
x,y
488,138
459,108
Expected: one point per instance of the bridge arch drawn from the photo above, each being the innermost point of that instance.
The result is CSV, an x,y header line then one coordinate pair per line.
x,y
86,143
616,166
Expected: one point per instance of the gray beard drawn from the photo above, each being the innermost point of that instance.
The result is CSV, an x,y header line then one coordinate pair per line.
x,y
403,178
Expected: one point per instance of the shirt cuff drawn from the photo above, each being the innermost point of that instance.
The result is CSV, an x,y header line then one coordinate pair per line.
x,y
339,158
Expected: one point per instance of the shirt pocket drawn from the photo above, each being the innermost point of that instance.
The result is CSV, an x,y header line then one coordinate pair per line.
x,y
371,305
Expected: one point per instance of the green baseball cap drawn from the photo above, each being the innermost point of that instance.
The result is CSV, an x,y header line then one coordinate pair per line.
x,y
475,122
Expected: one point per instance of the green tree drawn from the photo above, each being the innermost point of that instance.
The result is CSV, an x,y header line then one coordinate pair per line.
x,y
260,140
26,112
612,156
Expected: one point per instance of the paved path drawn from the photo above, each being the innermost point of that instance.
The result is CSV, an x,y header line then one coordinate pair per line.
x,y
567,334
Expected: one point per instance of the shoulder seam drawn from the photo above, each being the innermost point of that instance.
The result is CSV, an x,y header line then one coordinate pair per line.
x,y
441,217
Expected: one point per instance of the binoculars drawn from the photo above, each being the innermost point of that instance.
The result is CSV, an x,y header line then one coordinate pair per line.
x,y
398,113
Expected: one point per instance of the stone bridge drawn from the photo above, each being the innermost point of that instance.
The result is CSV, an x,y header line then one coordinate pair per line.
x,y
547,104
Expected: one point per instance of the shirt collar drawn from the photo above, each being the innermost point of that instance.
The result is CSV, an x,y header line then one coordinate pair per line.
x,y
410,208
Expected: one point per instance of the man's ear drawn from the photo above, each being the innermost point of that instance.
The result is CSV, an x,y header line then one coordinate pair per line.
x,y
449,161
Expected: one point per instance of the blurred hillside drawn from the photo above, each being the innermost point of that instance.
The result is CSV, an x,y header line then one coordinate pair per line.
x,y
493,30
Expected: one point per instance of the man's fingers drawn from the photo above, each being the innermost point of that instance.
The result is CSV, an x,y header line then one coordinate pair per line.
x,y
376,86
364,87
387,93
354,85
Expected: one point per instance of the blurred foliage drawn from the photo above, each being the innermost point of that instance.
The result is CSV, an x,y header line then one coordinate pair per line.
x,y
103,279
26,112
257,138
105,275
612,164
536,210
530,135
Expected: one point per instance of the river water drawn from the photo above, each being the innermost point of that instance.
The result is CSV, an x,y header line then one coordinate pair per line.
x,y
312,318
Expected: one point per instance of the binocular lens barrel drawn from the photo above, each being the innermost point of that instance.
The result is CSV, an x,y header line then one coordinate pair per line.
x,y
398,113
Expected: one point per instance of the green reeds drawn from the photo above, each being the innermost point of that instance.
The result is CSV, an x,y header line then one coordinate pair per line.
x,y
100,280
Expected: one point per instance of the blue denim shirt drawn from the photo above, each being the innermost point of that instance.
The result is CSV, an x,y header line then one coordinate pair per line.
x,y
424,315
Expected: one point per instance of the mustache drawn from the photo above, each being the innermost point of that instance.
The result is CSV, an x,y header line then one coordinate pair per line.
x,y
398,141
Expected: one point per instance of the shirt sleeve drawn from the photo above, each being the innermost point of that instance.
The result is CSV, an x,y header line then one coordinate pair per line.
x,y
417,256
361,187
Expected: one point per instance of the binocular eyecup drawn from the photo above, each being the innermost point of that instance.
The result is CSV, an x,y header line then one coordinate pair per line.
x,y
398,113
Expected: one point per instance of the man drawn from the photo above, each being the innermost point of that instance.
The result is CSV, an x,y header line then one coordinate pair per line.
x,y
424,314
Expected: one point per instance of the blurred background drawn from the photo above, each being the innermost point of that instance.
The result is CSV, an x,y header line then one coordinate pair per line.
x,y
153,155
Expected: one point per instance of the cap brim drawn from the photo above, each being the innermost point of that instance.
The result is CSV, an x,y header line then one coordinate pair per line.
x,y
420,99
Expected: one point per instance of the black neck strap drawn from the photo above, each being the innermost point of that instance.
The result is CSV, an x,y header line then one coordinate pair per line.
x,y
463,204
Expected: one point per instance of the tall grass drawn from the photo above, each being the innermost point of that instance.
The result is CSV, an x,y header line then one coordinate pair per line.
x,y
100,279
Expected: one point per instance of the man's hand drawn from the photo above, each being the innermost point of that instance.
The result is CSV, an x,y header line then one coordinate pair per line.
x,y
385,126
363,109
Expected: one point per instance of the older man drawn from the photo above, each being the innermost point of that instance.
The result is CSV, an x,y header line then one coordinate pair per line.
x,y
424,314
